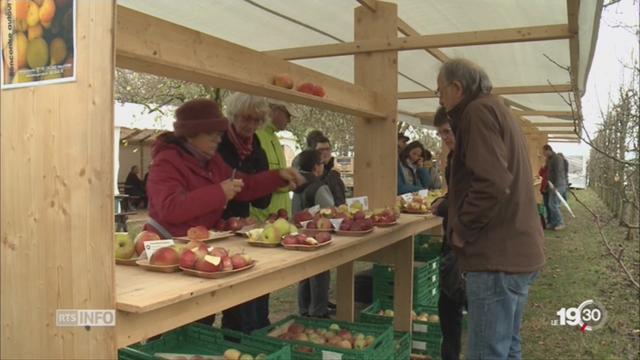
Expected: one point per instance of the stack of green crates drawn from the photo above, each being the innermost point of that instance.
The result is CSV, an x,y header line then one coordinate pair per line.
x,y
426,337
383,347
402,342
205,340
426,247
425,282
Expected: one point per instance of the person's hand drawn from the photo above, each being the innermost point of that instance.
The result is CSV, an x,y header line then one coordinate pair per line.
x,y
420,163
232,187
435,206
292,176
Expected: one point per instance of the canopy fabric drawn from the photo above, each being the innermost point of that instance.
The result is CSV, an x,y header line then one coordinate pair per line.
x,y
279,24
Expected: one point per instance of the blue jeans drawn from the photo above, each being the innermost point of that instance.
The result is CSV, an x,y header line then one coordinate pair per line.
x,y
496,303
555,214
313,295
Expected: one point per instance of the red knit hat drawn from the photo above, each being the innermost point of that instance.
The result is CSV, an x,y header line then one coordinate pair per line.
x,y
199,116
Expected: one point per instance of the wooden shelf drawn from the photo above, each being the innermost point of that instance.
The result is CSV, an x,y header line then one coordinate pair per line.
x,y
151,303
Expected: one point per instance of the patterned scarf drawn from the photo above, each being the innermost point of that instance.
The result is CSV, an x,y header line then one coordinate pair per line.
x,y
243,145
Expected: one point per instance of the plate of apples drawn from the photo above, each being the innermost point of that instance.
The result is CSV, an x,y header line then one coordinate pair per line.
x,y
166,259
213,263
201,233
304,242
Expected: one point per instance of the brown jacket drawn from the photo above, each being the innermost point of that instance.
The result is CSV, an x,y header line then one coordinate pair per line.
x,y
493,219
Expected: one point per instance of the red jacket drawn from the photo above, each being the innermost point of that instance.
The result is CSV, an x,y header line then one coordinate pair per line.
x,y
544,174
184,193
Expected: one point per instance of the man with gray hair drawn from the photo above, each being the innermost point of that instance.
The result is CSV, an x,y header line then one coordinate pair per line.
x,y
493,220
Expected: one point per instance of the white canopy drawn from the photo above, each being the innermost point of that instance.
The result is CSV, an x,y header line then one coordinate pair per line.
x,y
266,25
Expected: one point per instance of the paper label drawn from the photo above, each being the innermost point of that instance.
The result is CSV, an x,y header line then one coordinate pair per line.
x,y
151,246
330,355
420,345
423,193
336,223
434,278
421,328
407,197
314,209
363,200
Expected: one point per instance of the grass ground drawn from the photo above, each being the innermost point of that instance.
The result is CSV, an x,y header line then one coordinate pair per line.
x,y
578,268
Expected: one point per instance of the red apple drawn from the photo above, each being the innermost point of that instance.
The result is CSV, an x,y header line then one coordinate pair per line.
x,y
312,225
295,328
143,236
359,215
345,334
301,239
165,256
272,218
227,265
239,261
307,88
209,264
283,80
283,214
289,240
323,237
189,258
234,224
219,252
318,90
198,233
345,344
324,224
221,226
302,216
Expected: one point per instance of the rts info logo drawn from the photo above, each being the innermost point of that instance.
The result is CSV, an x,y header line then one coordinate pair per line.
x,y
588,316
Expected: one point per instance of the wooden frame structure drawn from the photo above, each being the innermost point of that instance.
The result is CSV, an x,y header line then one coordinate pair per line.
x,y
57,178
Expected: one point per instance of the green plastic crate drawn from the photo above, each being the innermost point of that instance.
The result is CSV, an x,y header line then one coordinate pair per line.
x,y
425,281
382,349
205,340
421,330
402,342
426,246
426,347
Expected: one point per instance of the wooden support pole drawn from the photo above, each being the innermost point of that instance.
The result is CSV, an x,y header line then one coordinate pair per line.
x,y
403,290
345,292
57,202
376,153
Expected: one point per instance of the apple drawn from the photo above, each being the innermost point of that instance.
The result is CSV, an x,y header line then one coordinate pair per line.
x,y
246,357
370,339
221,226
307,88
301,337
311,225
316,339
219,252
282,225
360,344
165,256
283,80
302,217
345,344
323,237
434,319
188,258
345,334
124,246
270,235
283,214
334,327
295,328
198,233
142,237
330,334
231,354
234,224
346,225
240,261
324,224
272,218
388,313
209,264
227,265
301,239
318,90
290,240
261,356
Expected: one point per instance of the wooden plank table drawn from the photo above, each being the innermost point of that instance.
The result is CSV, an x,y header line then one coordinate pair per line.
x,y
151,303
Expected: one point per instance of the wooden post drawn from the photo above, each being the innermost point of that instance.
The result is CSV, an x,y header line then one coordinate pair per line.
x,y
57,247
376,150
345,292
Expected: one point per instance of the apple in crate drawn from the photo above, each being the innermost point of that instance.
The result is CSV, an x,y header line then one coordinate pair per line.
x,y
165,256
295,328
209,264
198,233
143,236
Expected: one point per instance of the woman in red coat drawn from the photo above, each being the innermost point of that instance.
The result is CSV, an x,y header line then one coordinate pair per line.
x,y
189,184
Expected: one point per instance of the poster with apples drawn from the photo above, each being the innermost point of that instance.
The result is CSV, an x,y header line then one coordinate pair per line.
x,y
38,42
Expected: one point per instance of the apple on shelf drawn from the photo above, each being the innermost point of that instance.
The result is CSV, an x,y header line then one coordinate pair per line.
x,y
143,236
125,248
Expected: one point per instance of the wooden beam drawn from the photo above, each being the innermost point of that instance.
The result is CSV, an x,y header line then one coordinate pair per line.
x,y
566,124
371,5
148,44
543,113
573,15
484,37
407,30
504,90
57,202
376,141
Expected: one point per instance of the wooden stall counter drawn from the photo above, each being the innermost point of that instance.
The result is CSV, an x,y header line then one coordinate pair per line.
x,y
151,303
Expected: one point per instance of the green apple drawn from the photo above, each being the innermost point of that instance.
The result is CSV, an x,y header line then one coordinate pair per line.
x,y
124,246
283,226
270,235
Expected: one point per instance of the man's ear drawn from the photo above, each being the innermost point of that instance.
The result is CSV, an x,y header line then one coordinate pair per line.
x,y
457,87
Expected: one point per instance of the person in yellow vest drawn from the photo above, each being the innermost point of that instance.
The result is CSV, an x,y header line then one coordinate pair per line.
x,y
280,117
